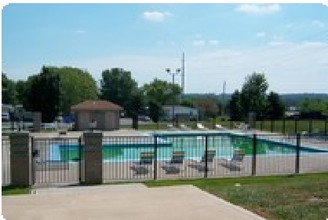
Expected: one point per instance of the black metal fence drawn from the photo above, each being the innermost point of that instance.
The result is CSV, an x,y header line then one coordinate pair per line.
x,y
6,177
310,127
121,157
198,158
176,155
56,160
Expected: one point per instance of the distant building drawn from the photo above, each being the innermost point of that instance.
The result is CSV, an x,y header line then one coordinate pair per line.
x,y
100,114
6,109
292,112
181,113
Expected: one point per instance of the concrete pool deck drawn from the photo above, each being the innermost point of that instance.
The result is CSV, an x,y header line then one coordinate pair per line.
x,y
122,202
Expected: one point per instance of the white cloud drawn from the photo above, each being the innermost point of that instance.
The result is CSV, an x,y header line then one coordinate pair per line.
x,y
172,43
156,16
313,45
261,34
317,23
198,43
289,67
300,63
258,9
213,42
279,43
80,31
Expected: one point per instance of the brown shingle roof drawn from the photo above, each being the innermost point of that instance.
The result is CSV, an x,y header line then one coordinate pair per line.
x,y
99,105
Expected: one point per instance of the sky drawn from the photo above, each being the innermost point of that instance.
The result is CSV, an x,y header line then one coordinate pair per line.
x,y
221,42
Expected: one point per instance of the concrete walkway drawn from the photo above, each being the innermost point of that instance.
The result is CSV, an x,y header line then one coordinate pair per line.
x,y
122,202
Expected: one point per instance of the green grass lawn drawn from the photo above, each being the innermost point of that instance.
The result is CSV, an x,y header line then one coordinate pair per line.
x,y
10,190
283,197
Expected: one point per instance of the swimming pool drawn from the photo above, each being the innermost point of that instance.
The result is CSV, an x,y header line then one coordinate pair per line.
x,y
193,145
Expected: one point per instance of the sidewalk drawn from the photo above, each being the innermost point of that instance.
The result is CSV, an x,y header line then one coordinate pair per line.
x,y
122,202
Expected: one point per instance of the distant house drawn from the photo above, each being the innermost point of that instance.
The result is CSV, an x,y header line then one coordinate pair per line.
x,y
181,113
292,112
100,114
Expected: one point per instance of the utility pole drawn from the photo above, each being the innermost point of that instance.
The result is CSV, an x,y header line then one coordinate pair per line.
x,y
183,73
173,74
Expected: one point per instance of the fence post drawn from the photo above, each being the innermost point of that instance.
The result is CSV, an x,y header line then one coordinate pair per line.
x,y
155,157
296,123
93,157
310,126
326,122
81,159
20,166
34,154
297,159
272,125
261,124
206,148
254,155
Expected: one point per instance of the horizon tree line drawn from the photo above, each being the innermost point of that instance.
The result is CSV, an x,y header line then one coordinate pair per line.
x,y
55,89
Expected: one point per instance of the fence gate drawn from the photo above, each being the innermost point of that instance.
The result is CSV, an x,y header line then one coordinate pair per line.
x,y
56,161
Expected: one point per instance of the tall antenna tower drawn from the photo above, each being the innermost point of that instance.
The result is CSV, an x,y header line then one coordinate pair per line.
x,y
183,73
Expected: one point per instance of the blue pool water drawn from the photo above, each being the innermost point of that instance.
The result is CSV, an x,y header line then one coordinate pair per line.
x,y
193,146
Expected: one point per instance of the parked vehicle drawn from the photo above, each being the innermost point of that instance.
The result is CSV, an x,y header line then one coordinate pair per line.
x,y
143,118
5,117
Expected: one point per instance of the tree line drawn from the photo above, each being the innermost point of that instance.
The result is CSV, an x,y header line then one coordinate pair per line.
x,y
54,90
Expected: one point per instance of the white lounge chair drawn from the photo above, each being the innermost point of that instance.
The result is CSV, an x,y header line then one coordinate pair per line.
x,y
200,126
242,126
184,127
171,127
219,127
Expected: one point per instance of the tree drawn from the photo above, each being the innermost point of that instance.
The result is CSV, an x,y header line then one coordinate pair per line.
x,y
21,91
162,92
235,108
253,94
136,107
43,94
159,93
209,107
187,102
8,90
275,108
155,110
55,90
76,86
118,86
314,108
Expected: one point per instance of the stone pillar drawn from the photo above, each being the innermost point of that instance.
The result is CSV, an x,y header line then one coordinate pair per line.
x,y
20,161
37,121
93,157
